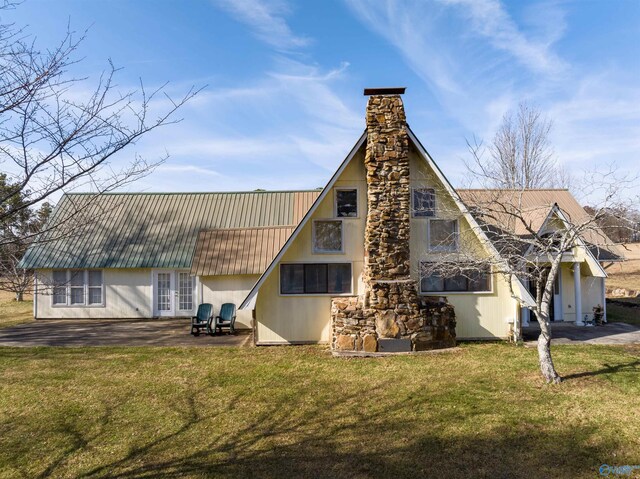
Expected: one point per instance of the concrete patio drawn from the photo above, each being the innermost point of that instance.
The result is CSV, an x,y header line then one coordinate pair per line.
x,y
115,332
569,333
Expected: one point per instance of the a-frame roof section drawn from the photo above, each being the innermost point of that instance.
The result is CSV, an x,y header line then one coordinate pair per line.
x,y
524,296
250,300
595,266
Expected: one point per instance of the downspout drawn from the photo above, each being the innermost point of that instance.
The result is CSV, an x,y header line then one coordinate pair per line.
x,y
35,294
604,300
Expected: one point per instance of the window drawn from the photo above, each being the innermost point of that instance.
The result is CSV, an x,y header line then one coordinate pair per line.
x,y
424,202
473,280
78,288
315,278
346,203
60,287
443,235
95,287
327,236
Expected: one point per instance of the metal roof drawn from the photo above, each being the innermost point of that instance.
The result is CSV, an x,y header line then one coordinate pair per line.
x,y
155,230
238,250
535,205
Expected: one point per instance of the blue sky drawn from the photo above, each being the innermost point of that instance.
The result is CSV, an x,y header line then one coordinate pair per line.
x,y
284,104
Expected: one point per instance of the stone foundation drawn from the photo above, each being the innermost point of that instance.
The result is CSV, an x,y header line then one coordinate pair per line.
x,y
358,328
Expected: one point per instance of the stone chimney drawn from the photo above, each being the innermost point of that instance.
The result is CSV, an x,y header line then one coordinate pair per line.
x,y
390,316
388,194
389,287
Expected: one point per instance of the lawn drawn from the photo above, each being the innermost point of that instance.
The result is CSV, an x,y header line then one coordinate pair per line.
x,y
13,312
619,311
479,411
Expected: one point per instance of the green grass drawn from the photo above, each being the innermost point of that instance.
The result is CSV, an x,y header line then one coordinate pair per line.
x,y
13,312
617,312
479,411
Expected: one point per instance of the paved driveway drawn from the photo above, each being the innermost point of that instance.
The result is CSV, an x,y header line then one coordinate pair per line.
x,y
97,332
569,333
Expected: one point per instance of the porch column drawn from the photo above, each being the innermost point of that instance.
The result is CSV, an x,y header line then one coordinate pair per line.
x,y
578,293
525,312
604,300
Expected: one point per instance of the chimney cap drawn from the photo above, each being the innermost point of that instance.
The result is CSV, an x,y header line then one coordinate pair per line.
x,y
385,91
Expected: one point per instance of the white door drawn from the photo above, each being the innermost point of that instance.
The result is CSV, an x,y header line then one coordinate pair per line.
x,y
185,285
557,297
164,286
173,293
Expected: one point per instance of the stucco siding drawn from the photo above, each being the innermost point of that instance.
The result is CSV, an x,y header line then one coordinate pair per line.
x,y
283,319
306,318
591,294
229,289
127,294
485,315
478,315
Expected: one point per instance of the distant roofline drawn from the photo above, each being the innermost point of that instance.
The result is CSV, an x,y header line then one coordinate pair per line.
x,y
122,193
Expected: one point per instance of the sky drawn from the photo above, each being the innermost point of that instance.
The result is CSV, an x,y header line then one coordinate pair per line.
x,y
283,80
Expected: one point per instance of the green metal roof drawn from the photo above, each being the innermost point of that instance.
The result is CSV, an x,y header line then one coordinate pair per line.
x,y
154,230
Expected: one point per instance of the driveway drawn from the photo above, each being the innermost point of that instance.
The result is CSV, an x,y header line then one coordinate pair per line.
x,y
114,332
569,333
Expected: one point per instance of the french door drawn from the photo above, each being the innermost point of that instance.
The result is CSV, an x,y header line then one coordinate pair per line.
x,y
173,293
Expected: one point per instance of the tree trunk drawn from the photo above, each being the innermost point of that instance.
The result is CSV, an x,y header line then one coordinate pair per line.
x,y
19,296
547,368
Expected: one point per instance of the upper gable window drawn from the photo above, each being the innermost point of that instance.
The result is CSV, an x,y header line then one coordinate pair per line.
x,y
443,235
346,202
424,202
327,236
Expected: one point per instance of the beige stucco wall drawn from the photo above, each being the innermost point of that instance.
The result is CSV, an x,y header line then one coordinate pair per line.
x,y
303,318
127,295
229,289
591,294
478,315
282,319
591,291
485,315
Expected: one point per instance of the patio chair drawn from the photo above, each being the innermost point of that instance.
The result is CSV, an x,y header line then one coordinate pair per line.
x,y
226,318
202,319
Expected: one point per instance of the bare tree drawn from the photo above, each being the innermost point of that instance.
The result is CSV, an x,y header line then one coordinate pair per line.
x,y
54,138
501,232
520,155
621,224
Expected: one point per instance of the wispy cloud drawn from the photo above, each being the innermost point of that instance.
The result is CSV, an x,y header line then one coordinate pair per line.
x,y
490,19
266,18
300,130
478,62
187,169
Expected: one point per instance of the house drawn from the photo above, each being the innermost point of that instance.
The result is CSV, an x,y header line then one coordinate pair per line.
x,y
342,265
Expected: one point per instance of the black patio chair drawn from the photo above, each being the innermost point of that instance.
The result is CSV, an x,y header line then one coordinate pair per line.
x,y
202,319
226,318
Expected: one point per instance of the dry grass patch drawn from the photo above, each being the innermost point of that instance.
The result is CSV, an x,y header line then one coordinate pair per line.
x,y
13,312
626,274
298,412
